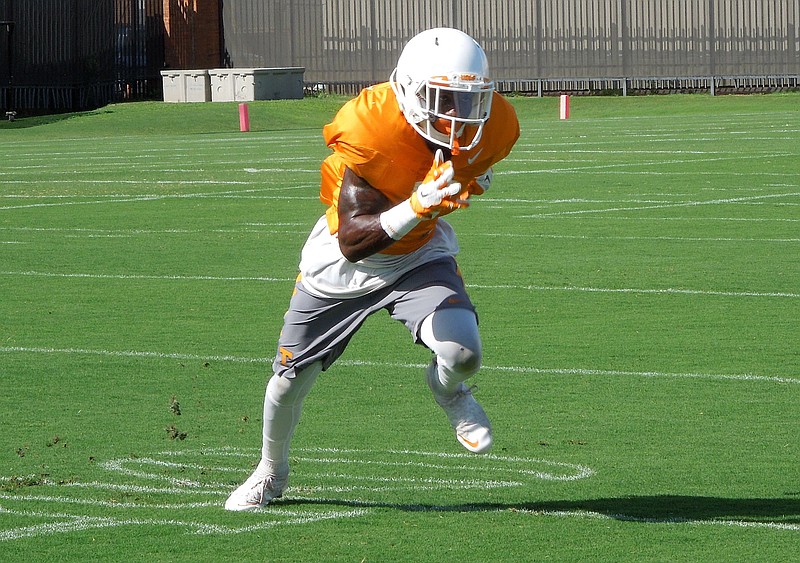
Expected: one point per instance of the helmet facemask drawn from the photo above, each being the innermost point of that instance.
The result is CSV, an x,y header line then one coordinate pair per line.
x,y
456,108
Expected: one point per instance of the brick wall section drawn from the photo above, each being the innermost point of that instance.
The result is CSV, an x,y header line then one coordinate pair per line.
x,y
192,34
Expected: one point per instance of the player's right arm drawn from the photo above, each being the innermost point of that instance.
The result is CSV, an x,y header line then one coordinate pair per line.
x,y
369,223
360,208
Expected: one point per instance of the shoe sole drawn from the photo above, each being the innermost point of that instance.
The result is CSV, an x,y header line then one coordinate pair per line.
x,y
247,507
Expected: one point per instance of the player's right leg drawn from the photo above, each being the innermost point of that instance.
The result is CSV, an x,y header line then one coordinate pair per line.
x,y
315,332
283,404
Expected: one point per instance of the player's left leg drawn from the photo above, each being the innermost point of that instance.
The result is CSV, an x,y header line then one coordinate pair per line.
x,y
433,304
452,334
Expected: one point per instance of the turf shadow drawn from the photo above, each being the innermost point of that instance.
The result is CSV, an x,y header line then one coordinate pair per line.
x,y
644,509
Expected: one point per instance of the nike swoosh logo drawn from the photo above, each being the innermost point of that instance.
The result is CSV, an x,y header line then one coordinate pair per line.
x,y
467,442
474,157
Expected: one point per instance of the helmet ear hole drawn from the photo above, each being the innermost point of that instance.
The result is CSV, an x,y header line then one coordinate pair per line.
x,y
442,75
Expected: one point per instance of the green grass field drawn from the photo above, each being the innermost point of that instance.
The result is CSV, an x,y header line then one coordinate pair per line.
x,y
637,273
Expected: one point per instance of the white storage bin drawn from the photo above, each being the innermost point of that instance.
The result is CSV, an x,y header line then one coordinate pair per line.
x,y
198,85
186,85
221,84
174,86
249,84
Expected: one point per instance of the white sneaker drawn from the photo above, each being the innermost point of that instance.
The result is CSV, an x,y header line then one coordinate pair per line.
x,y
466,415
256,492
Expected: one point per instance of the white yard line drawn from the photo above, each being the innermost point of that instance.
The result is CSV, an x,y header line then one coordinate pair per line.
x,y
397,365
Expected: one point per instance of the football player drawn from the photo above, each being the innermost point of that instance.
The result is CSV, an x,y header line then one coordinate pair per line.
x,y
405,153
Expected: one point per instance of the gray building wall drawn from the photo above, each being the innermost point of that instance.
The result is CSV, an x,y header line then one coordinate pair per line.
x,y
360,40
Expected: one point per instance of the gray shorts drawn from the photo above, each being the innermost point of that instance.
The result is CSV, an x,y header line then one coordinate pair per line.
x,y
319,329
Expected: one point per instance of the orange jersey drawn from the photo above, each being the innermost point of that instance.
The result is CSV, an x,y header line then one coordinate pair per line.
x,y
371,136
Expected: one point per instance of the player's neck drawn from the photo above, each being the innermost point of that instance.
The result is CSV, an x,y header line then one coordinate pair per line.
x,y
433,147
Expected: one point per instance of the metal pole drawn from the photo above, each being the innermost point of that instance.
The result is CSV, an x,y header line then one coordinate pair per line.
x,y
712,43
10,113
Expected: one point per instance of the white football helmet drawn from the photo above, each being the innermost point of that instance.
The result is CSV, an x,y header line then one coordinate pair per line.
x,y
443,88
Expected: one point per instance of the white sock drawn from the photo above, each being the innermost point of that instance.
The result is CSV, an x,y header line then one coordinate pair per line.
x,y
283,405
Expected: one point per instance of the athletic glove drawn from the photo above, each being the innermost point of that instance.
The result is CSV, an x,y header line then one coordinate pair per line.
x,y
433,198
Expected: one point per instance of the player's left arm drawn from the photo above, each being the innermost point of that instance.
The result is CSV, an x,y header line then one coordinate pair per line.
x,y
480,184
500,140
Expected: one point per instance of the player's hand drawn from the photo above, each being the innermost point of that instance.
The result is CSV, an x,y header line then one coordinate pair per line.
x,y
435,196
